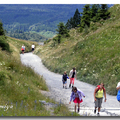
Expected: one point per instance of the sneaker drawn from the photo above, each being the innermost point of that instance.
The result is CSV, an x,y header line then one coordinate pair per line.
x,y
95,111
98,114
78,110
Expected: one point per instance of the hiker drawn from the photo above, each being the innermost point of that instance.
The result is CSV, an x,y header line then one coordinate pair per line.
x,y
23,49
118,93
76,95
98,97
64,80
72,76
33,47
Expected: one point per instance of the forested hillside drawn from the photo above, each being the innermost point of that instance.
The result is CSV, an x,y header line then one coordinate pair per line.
x,y
94,50
35,22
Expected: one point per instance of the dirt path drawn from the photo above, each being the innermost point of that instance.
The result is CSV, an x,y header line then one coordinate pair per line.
x,y
54,83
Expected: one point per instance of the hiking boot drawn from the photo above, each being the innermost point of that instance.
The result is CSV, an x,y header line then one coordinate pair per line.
x,y
69,85
78,110
95,111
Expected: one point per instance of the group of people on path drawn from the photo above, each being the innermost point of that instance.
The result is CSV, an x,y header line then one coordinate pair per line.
x,y
23,48
72,77
77,94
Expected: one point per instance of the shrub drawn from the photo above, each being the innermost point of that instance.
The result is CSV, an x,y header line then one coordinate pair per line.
x,y
2,77
80,29
3,44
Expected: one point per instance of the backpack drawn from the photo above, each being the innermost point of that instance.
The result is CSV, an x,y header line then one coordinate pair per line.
x,y
118,95
99,88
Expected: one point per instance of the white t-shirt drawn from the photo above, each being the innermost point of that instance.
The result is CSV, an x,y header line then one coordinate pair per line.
x,y
23,47
118,84
33,46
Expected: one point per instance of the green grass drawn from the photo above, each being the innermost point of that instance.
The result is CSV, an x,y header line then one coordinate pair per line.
x,y
20,86
95,55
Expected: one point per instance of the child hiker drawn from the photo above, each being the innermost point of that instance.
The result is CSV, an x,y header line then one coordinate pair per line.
x,y
64,79
76,95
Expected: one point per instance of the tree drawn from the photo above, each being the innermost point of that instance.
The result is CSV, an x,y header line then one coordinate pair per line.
x,y
61,29
93,12
76,18
1,29
85,19
73,21
68,25
103,12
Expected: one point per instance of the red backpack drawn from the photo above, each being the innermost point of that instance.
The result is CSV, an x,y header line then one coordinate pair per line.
x,y
99,88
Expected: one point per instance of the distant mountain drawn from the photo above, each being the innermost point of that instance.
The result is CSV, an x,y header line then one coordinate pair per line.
x,y
40,19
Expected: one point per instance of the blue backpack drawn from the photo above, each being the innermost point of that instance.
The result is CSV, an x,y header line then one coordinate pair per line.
x,y
118,95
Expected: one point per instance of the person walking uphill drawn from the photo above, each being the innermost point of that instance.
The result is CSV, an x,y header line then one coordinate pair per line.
x,y
118,93
33,47
76,95
98,97
23,49
72,76
64,80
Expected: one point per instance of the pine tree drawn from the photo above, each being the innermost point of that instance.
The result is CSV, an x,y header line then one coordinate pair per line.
x,y
1,29
85,19
62,30
103,12
93,12
76,19
73,21
68,25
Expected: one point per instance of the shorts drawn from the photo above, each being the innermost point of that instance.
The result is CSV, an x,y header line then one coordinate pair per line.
x,y
64,82
98,102
32,49
72,80
77,100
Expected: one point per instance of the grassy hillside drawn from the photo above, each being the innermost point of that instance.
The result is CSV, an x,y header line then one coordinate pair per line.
x,y
95,55
20,86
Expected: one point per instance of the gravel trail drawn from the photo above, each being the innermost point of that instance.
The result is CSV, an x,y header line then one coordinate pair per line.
x,y
56,91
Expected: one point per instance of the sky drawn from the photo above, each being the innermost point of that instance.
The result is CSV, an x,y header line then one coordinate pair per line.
x,y
59,2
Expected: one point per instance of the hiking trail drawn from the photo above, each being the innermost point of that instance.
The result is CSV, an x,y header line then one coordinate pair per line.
x,y
56,91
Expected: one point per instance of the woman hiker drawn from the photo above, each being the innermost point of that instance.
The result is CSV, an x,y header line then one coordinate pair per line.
x,y
98,96
76,96
72,76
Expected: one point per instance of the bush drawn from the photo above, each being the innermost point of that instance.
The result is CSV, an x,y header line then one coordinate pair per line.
x,y
86,31
80,30
3,44
2,77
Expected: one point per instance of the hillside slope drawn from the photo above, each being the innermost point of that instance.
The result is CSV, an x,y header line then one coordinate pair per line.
x,y
20,86
96,55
